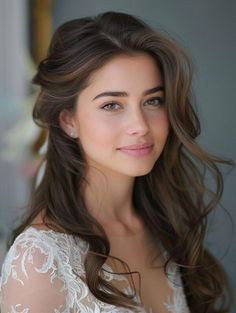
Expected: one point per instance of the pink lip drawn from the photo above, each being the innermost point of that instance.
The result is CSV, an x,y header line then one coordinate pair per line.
x,y
137,150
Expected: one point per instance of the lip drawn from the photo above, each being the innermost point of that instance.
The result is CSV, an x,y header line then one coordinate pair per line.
x,y
137,150
137,146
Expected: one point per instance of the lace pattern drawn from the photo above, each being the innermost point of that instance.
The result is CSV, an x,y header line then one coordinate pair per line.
x,y
56,261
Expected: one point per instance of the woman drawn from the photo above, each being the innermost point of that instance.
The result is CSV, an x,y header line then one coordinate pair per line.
x,y
117,222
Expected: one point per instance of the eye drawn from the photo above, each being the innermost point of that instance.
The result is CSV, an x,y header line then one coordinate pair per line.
x,y
155,101
111,106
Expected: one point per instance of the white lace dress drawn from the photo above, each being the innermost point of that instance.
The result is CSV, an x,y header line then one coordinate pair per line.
x,y
38,276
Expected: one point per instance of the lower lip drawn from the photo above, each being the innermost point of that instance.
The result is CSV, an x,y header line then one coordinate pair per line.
x,y
137,152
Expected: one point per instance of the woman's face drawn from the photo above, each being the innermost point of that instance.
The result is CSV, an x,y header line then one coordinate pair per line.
x,y
120,119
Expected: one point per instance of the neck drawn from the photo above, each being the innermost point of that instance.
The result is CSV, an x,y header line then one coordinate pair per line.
x,y
109,199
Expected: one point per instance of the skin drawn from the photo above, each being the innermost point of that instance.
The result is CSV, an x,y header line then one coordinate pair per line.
x,y
102,130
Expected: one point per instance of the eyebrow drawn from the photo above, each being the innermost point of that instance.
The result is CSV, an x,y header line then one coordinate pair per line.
x,y
125,94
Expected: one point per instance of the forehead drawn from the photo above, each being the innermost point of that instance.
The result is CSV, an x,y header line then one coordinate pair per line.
x,y
126,71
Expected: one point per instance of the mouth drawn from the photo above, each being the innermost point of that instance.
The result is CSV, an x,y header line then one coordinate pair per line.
x,y
137,150
137,146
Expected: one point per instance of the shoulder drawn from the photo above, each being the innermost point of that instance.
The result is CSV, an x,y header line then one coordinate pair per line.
x,y
31,275
38,271
41,250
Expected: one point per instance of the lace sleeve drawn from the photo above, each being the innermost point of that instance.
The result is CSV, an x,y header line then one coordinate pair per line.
x,y
30,281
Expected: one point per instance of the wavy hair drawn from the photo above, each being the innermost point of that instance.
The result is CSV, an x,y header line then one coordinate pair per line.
x,y
173,200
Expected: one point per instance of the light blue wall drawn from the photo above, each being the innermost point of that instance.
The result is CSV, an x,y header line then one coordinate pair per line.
x,y
207,29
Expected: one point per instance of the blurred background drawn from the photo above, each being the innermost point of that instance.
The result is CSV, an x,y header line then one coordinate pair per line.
x,y
207,31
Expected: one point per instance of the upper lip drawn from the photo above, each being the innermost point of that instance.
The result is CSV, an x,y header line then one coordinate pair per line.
x,y
137,146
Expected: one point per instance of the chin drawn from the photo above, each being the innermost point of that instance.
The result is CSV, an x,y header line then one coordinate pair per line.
x,y
139,171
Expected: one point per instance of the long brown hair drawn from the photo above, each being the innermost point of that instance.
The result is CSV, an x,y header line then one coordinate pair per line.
x,y
173,200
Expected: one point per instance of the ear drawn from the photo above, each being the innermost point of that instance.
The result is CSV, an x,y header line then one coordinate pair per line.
x,y
67,123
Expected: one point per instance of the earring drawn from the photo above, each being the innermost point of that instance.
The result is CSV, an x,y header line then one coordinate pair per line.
x,y
72,134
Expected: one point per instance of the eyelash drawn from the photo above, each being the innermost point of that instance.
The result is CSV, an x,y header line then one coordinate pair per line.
x,y
112,103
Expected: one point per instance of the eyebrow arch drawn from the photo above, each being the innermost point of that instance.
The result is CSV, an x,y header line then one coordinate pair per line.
x,y
125,94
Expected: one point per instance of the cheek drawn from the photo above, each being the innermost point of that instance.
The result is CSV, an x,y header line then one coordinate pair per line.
x,y
97,130
161,125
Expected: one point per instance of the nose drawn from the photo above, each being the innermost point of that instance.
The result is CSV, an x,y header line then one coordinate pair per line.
x,y
137,123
